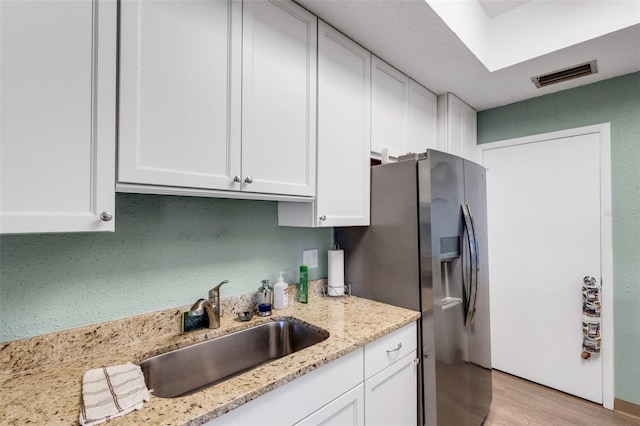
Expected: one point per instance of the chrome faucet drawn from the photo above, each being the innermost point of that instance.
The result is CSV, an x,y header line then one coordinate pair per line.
x,y
211,306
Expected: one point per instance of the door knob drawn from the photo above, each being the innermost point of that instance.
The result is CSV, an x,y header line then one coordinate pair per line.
x,y
323,218
237,178
248,179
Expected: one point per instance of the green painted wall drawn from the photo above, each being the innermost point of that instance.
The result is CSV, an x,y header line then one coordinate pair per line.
x,y
616,101
167,251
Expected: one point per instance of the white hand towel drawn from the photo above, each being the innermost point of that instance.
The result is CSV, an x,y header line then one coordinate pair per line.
x,y
111,392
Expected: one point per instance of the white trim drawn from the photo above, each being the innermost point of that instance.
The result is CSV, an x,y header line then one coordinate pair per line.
x,y
606,236
606,253
135,188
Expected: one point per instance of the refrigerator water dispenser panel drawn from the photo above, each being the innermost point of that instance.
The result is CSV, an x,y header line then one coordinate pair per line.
x,y
449,248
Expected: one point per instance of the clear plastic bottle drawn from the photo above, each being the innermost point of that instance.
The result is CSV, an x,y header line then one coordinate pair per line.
x,y
280,293
264,299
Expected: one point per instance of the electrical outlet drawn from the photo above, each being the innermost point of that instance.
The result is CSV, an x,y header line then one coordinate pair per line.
x,y
310,258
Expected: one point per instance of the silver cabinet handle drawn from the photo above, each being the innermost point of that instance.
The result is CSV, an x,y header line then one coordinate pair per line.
x,y
323,218
237,178
106,216
248,179
396,349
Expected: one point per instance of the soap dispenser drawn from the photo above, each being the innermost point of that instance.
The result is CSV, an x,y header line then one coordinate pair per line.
x,y
280,293
264,299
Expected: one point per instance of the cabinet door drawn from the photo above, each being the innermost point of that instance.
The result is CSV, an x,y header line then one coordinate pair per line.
x,y
58,115
180,93
344,137
296,400
469,133
459,126
389,109
278,98
344,130
422,126
347,410
392,395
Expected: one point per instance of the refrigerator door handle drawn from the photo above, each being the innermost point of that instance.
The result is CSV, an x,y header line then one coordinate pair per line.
x,y
473,252
476,266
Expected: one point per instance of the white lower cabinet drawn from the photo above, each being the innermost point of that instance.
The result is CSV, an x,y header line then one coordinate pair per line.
x,y
374,385
390,395
391,379
346,410
296,400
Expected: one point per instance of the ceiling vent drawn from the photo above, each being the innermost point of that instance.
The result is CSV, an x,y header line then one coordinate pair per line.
x,y
566,74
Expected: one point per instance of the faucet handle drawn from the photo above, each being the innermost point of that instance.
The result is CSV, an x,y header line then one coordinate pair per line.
x,y
215,292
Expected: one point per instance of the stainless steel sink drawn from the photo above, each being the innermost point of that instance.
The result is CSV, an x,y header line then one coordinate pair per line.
x,y
187,370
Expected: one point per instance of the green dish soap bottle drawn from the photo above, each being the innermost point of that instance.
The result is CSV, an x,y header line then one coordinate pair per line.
x,y
303,289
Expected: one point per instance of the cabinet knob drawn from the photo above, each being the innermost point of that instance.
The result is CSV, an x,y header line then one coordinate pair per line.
x,y
323,218
106,216
237,178
248,179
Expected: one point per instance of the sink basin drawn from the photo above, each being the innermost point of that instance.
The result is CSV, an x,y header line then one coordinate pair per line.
x,y
187,370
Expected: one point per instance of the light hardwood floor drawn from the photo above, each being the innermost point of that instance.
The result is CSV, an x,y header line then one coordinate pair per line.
x,y
520,402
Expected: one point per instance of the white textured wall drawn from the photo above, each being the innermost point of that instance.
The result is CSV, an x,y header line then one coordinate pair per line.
x,y
167,251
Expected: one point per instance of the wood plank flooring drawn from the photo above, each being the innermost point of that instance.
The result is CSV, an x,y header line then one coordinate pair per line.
x,y
518,402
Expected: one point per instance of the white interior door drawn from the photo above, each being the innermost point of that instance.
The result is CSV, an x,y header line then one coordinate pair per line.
x,y
544,216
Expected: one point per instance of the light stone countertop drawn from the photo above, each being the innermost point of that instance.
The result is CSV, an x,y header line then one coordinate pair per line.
x,y
50,393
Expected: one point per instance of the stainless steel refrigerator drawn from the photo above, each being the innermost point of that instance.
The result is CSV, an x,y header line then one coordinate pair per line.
x,y
426,249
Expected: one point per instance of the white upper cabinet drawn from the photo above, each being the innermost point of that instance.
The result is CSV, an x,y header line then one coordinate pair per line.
x,y
457,126
57,97
279,50
344,142
422,130
217,98
180,93
403,113
389,109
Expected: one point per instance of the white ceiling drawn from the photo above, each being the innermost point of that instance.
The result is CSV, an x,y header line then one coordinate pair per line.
x,y
495,8
414,38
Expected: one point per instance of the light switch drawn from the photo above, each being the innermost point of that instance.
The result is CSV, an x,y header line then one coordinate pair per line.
x,y
310,258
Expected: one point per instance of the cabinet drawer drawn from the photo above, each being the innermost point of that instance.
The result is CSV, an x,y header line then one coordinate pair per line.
x,y
389,349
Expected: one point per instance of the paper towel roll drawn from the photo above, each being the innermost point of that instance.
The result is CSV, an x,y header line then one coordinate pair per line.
x,y
336,273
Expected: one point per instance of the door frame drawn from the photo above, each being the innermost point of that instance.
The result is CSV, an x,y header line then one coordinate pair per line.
x,y
606,236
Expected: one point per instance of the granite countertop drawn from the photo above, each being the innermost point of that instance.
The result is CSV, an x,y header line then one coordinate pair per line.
x,y
50,393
